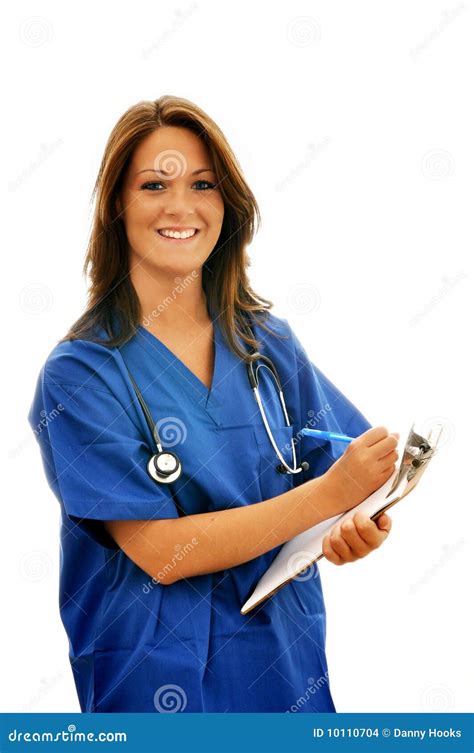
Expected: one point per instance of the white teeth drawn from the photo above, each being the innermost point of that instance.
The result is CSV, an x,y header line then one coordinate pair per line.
x,y
176,234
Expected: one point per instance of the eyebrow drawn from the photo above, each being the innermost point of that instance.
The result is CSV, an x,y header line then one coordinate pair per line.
x,y
196,172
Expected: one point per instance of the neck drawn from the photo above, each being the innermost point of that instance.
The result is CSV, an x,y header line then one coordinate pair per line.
x,y
170,300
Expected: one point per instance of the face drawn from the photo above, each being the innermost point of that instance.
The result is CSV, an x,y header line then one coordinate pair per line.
x,y
170,188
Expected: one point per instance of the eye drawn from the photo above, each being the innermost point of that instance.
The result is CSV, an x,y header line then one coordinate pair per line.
x,y
148,185
208,186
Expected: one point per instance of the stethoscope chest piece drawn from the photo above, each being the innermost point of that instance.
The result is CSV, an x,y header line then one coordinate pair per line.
x,y
164,467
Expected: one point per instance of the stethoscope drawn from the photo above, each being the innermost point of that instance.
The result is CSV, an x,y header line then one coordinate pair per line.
x,y
165,466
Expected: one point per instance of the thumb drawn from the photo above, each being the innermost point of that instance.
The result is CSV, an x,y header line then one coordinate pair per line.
x,y
384,523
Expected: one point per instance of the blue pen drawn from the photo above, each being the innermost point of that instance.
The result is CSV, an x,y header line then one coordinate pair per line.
x,y
327,435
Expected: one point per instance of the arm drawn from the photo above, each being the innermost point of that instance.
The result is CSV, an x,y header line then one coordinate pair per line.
x,y
218,540
215,541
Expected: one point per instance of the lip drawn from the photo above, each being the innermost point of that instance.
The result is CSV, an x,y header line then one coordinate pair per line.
x,y
180,228
178,240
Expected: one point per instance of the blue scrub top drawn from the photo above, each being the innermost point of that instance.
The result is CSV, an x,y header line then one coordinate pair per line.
x,y
134,644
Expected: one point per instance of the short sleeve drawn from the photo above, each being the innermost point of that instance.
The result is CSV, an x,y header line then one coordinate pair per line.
x,y
323,406
100,459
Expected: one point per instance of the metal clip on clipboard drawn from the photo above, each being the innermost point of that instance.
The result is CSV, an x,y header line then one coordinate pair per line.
x,y
417,453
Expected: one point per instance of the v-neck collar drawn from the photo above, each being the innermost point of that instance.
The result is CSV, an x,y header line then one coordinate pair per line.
x,y
206,397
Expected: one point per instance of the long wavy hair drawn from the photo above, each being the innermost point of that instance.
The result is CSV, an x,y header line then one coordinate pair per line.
x,y
113,303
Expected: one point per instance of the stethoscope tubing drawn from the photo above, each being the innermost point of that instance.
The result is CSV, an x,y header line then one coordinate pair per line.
x,y
254,381
165,466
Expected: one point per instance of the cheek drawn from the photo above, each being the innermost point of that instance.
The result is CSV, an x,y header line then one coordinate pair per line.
x,y
138,225
139,209
215,216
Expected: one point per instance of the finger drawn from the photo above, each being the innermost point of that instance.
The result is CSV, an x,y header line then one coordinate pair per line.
x,y
384,523
339,545
386,446
369,531
329,552
380,441
387,468
358,546
374,435
389,459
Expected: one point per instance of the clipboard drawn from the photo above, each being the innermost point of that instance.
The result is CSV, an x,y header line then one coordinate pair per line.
x,y
303,550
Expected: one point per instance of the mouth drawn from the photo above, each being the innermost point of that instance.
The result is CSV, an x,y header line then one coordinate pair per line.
x,y
178,237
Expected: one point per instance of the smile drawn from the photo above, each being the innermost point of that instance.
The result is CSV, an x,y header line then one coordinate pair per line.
x,y
175,235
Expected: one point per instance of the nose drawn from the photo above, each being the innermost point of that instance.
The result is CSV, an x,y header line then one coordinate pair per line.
x,y
179,202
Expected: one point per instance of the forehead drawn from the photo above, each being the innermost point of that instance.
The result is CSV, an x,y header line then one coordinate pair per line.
x,y
167,142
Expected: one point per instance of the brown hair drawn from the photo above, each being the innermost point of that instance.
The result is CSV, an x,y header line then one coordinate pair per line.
x,y
113,304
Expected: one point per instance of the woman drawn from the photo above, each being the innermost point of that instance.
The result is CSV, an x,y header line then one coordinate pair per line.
x,y
153,575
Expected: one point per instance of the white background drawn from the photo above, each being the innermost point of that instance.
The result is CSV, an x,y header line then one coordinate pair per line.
x,y
354,128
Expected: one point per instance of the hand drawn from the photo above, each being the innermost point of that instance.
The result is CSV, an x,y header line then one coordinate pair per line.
x,y
367,463
355,537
